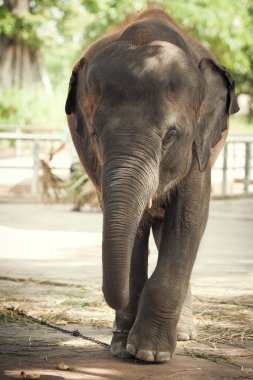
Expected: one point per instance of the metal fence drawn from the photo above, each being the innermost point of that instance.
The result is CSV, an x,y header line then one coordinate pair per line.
x,y
37,141
233,170
232,173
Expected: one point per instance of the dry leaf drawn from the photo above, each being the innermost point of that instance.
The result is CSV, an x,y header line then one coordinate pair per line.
x,y
63,367
31,376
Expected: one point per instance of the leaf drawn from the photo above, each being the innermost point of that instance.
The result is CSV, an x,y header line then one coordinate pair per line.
x,y
63,367
30,376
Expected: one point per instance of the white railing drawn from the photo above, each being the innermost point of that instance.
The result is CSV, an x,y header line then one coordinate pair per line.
x,y
36,139
232,173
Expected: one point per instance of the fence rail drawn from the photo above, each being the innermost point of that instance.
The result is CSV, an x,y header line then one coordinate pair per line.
x,y
19,128
232,173
234,167
36,139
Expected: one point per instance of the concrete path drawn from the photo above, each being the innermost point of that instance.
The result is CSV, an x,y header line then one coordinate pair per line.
x,y
51,257
50,242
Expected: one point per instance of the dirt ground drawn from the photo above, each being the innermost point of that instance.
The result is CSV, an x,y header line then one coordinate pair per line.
x,y
50,268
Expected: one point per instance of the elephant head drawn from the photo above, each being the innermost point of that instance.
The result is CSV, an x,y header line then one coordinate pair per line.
x,y
147,109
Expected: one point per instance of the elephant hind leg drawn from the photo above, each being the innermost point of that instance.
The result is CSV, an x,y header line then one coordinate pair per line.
x,y
119,343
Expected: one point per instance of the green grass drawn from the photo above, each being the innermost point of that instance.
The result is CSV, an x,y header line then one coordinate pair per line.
x,y
79,303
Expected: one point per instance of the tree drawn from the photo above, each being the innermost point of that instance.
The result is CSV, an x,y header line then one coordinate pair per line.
x,y
20,59
30,28
224,26
59,31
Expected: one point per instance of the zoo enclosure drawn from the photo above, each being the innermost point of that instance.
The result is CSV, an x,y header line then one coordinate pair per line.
x,y
38,141
232,173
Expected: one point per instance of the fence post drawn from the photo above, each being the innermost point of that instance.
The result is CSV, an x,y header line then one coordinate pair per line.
x,y
247,166
224,169
36,168
18,143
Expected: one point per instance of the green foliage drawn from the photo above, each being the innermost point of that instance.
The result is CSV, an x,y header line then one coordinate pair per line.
x,y
47,23
22,27
108,13
223,26
31,105
63,28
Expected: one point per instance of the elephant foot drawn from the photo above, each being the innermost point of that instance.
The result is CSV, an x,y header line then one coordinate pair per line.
x,y
154,343
123,323
118,345
186,329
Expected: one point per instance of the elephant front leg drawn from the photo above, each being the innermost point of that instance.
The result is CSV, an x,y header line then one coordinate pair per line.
x,y
153,335
186,329
124,319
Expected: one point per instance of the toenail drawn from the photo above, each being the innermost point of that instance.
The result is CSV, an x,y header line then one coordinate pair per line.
x,y
147,356
183,336
131,349
162,357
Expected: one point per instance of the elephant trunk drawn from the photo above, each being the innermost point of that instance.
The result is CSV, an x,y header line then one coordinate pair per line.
x,y
127,187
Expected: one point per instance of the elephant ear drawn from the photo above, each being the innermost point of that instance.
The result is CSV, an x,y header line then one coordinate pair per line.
x,y
71,106
71,98
78,126
219,102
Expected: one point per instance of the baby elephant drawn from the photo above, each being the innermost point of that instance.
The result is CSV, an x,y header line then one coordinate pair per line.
x,y
148,110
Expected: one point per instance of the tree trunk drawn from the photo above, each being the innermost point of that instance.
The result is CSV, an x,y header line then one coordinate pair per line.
x,y
20,64
17,5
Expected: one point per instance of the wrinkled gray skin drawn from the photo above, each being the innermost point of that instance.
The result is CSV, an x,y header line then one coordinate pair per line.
x,y
148,109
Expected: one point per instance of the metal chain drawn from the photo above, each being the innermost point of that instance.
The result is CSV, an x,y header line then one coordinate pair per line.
x,y
74,333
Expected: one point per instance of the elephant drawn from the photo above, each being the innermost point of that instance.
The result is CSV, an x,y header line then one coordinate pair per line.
x,y
148,109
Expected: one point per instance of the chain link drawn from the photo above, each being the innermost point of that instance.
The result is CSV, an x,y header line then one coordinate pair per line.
x,y
75,333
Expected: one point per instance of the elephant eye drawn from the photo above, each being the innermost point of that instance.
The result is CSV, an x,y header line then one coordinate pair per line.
x,y
171,135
